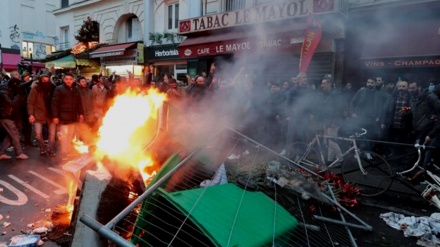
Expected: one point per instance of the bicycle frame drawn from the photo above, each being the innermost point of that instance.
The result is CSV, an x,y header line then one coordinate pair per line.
x,y
431,189
353,147
416,164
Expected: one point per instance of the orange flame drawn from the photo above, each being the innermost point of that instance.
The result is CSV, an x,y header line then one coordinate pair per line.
x,y
79,146
128,126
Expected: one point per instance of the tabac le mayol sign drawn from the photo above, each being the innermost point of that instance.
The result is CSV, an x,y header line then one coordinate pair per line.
x,y
258,14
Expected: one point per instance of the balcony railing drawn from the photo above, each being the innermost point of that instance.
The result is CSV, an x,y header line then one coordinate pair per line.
x,y
63,46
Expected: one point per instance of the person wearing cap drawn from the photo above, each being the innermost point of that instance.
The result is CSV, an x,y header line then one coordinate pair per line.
x,y
10,99
38,107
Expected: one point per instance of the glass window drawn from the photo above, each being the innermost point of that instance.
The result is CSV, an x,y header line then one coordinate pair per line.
x,y
30,49
64,3
130,28
64,41
232,5
133,32
173,16
24,49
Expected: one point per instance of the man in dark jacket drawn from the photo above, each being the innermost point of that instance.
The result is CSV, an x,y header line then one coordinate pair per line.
x,y
432,139
366,108
38,107
10,99
425,109
66,111
394,118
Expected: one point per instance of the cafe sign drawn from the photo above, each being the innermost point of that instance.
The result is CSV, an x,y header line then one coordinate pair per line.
x,y
258,14
235,46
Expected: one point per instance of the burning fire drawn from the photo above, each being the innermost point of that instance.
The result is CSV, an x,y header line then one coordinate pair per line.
x,y
128,126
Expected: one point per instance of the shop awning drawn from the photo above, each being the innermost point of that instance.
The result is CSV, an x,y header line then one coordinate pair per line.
x,y
38,65
64,62
235,42
86,62
111,50
10,61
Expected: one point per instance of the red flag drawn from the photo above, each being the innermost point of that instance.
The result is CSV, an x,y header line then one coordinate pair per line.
x,y
312,37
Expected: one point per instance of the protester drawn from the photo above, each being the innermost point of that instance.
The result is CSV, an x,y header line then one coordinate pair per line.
x,y
40,115
10,99
67,111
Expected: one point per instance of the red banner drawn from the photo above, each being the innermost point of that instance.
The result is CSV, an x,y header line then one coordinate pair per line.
x,y
312,37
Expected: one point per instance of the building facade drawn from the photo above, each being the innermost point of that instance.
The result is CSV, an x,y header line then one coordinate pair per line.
x,y
393,40
266,37
27,33
121,32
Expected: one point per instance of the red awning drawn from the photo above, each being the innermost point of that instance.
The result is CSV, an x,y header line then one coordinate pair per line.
x,y
236,42
38,65
111,50
403,39
10,61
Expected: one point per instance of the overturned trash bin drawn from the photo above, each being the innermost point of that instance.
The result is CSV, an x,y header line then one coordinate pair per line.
x,y
229,215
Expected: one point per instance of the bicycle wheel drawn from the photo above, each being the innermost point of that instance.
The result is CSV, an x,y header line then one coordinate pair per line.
x,y
378,177
305,156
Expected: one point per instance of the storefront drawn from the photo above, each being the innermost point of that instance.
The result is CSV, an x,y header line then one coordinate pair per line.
x,y
405,45
266,39
123,59
10,58
165,60
62,64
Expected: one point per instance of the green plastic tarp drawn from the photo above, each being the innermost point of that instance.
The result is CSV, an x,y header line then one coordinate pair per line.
x,y
231,216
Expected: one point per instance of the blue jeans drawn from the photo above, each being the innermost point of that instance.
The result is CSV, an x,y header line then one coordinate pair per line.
x,y
39,135
12,136
67,132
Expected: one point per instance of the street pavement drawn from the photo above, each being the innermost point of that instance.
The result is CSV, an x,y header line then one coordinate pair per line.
x,y
31,189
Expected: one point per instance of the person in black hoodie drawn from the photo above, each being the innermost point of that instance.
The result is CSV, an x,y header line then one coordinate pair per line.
x,y
10,98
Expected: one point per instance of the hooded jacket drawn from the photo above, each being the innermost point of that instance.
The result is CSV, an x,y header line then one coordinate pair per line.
x,y
10,99
39,101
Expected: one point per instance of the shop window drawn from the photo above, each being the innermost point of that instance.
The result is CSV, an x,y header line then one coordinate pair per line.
x,y
133,29
173,16
232,5
50,49
27,49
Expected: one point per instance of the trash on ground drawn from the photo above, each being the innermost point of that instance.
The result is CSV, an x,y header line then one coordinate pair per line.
x,y
40,230
424,227
24,241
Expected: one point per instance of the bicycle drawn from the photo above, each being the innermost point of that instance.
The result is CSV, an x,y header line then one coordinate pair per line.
x,y
432,187
367,170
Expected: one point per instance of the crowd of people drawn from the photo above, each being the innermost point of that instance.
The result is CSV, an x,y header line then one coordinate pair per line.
x,y
50,111
278,113
275,113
